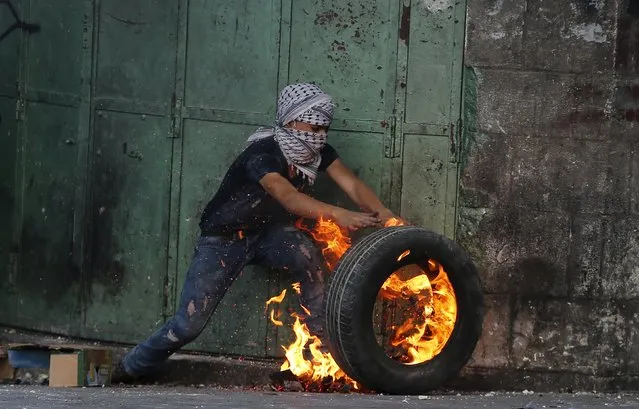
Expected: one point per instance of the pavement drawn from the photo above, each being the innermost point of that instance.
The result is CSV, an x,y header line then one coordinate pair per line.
x,y
36,397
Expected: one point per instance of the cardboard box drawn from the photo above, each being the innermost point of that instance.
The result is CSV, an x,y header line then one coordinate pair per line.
x,y
6,370
87,367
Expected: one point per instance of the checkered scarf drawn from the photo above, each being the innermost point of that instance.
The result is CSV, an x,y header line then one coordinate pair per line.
x,y
304,103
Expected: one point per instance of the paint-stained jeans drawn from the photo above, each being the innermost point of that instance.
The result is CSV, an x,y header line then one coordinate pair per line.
x,y
215,265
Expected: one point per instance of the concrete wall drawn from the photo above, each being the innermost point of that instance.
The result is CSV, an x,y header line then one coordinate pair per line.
x,y
549,202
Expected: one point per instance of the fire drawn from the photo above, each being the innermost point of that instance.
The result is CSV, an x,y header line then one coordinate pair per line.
x,y
320,365
275,320
423,335
278,298
404,254
420,336
333,238
394,221
297,288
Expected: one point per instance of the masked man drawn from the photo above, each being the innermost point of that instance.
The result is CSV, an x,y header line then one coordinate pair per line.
x,y
250,220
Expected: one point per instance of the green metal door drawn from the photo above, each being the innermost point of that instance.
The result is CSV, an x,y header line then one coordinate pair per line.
x,y
44,270
131,158
10,54
429,105
125,118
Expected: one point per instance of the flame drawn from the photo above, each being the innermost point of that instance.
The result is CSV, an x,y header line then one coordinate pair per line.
x,y
274,320
319,367
335,241
425,333
394,221
278,298
404,254
297,288
305,310
421,336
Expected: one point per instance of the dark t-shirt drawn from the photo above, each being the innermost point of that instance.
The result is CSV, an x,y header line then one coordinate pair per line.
x,y
241,203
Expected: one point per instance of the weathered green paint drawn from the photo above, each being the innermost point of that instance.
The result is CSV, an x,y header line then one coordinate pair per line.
x,y
42,273
148,102
135,67
9,52
9,73
8,139
10,57
48,284
131,159
432,114
129,213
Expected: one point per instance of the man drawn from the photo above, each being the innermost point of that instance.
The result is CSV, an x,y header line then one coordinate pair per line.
x,y
250,220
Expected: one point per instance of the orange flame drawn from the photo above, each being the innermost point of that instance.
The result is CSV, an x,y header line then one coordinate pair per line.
x,y
394,221
423,335
297,288
404,254
419,338
278,298
274,320
335,241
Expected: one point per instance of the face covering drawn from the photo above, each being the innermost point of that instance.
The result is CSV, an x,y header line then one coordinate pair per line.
x,y
303,103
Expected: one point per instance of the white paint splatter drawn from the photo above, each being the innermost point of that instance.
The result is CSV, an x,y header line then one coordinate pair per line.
x,y
496,8
592,33
599,4
497,35
435,6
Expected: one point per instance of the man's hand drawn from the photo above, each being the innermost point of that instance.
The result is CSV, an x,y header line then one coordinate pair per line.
x,y
385,215
355,220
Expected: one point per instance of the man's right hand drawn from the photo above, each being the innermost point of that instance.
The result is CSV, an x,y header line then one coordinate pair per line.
x,y
356,220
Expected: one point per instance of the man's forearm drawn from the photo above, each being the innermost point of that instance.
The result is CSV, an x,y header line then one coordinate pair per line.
x,y
367,199
305,206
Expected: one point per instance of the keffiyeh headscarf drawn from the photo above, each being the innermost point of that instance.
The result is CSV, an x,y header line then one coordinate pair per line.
x,y
304,103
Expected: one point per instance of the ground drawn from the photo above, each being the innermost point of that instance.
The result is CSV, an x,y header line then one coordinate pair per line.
x,y
36,397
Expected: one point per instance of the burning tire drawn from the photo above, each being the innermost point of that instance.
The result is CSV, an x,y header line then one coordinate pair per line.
x,y
430,347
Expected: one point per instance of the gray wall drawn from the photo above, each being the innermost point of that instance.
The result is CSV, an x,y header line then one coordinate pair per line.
x,y
549,202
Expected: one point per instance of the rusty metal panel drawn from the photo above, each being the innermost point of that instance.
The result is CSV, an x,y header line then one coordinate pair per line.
x,y
136,53
48,285
125,290
238,326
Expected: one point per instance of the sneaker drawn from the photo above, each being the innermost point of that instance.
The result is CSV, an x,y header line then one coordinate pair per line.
x,y
121,376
